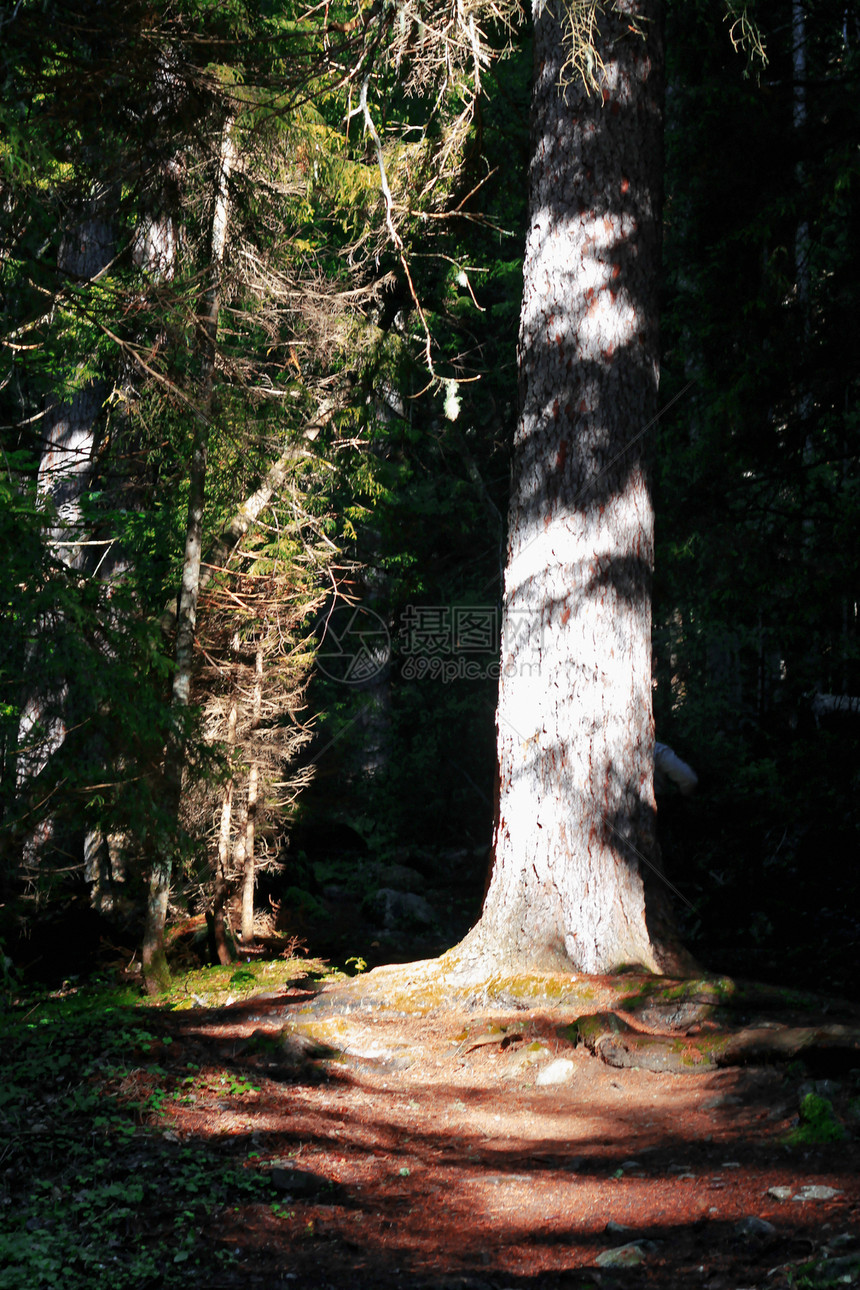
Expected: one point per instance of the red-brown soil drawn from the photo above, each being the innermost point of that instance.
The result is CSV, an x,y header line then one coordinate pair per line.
x,y
437,1158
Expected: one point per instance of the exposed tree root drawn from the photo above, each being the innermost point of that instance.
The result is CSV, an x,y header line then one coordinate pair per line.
x,y
618,1043
638,1020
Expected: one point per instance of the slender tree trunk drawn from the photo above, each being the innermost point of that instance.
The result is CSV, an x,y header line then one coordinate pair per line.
x,y
241,523
220,948
64,474
155,968
575,728
248,871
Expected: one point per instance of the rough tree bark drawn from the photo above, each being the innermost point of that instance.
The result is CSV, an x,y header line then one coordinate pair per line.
x,y
575,837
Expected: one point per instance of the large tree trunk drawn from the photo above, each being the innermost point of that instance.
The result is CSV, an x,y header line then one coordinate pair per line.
x,y
575,728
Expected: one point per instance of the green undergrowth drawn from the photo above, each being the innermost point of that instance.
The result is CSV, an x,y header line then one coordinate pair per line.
x,y
817,1123
96,1190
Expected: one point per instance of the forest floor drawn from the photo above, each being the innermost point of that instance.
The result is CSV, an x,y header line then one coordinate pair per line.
x,y
462,1144
271,1130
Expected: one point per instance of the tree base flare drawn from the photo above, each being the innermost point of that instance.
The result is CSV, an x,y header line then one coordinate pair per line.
x,y
634,1019
481,954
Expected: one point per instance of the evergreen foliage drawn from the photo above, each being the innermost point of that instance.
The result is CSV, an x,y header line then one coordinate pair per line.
x,y
368,323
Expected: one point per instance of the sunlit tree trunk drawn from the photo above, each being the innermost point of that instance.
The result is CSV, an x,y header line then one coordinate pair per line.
x,y
155,969
215,918
575,729
248,869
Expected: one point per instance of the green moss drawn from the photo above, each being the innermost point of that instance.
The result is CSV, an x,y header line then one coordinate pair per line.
x,y
587,1030
215,985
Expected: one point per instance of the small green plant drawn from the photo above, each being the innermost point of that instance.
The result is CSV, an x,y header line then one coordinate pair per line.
x,y
357,963
236,1086
818,1123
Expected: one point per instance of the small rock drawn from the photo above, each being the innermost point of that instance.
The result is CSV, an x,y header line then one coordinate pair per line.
x,y
839,1242
626,1256
781,1193
752,1226
399,1063
830,1272
402,909
518,1064
616,1229
823,1087
630,1164
401,878
558,1072
812,1191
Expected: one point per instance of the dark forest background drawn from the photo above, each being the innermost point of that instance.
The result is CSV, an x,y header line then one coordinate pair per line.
x,y
353,630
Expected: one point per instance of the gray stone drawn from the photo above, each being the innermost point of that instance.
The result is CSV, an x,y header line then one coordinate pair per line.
x,y
402,909
401,878
840,1241
843,1270
626,1256
823,1087
752,1226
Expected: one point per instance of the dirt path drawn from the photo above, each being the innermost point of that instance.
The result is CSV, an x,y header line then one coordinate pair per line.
x,y
464,1143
